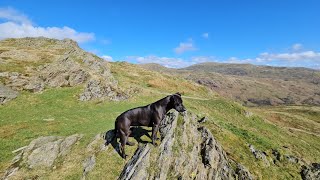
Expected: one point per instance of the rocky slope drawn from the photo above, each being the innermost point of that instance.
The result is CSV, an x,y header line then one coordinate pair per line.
x,y
34,64
187,151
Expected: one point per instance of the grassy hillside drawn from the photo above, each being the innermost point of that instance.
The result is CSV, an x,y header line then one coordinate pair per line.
x,y
254,85
291,130
58,112
249,70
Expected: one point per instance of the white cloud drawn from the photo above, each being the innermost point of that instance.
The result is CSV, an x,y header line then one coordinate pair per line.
x,y
309,59
107,58
296,56
185,46
205,35
19,26
169,61
296,47
201,59
11,14
164,61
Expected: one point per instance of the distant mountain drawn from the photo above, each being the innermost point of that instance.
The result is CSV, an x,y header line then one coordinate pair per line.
x,y
254,85
285,73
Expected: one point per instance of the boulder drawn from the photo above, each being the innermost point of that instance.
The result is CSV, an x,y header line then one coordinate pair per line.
x,y
98,89
259,155
7,94
88,165
41,153
96,146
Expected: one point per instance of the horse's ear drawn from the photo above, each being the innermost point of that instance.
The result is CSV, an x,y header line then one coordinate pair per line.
x,y
178,94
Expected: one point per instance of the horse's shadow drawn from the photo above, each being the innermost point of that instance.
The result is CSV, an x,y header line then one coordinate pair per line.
x,y
136,132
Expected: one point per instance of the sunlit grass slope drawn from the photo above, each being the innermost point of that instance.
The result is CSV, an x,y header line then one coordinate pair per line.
x,y
58,112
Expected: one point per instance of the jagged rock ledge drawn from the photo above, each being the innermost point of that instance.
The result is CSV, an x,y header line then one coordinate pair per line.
x,y
41,153
187,151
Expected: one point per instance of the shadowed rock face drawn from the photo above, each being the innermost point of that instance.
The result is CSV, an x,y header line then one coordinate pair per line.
x,y
187,151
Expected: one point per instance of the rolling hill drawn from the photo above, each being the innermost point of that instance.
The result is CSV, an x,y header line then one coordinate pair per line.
x,y
254,85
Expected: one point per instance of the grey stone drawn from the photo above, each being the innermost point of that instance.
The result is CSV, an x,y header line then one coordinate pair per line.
x,y
311,172
243,173
7,94
259,155
291,159
45,155
248,114
136,167
42,153
35,84
97,145
67,144
276,154
98,89
88,165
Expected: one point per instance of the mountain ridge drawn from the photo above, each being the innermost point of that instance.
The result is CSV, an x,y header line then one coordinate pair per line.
x,y
271,85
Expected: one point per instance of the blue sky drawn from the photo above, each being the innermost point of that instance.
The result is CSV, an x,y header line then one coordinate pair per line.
x,y
176,33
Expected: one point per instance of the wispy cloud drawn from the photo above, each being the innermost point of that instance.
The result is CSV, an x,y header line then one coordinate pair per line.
x,y
169,61
107,58
297,47
13,15
185,46
18,25
205,35
297,58
164,61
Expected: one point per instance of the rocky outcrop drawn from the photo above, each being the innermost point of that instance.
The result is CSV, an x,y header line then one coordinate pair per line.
x,y
6,94
259,155
96,146
136,168
41,153
311,172
59,63
186,151
97,89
